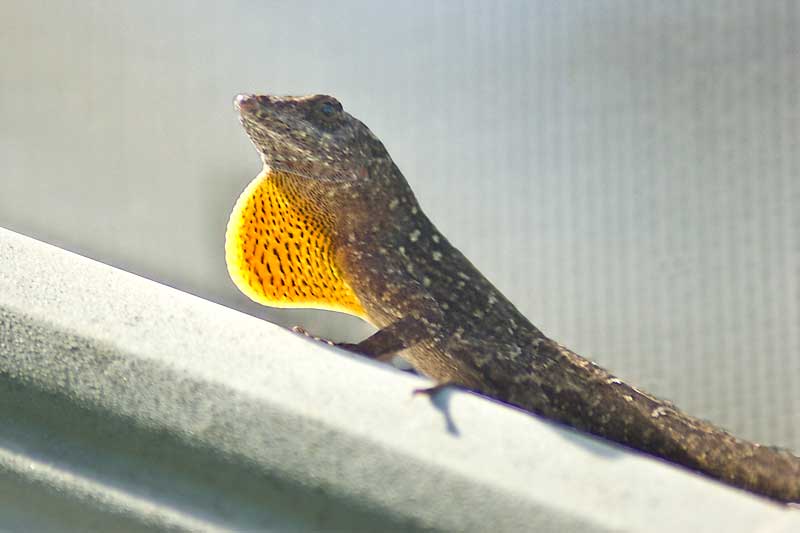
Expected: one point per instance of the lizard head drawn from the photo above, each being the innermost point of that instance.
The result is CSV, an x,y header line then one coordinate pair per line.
x,y
311,136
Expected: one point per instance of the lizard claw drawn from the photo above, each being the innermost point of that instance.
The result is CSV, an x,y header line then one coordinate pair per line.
x,y
343,345
301,330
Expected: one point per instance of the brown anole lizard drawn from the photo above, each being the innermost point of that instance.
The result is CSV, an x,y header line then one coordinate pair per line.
x,y
332,223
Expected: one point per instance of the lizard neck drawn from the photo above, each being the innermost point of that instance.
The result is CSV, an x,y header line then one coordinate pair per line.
x,y
279,247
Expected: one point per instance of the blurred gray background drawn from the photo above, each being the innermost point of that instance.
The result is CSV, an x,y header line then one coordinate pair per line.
x,y
627,172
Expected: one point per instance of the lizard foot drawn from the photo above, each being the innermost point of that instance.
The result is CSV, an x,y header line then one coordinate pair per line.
x,y
302,331
441,403
436,389
344,345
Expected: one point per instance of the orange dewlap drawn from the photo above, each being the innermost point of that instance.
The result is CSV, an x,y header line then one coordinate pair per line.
x,y
278,250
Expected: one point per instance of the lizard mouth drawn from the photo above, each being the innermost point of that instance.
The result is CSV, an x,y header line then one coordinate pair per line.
x,y
253,106
257,120
258,115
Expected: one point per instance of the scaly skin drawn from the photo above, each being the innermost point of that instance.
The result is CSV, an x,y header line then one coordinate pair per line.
x,y
332,223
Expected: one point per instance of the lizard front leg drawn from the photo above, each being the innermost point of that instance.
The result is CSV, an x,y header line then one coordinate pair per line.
x,y
414,315
381,345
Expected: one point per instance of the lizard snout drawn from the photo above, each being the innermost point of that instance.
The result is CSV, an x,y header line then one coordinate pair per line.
x,y
245,102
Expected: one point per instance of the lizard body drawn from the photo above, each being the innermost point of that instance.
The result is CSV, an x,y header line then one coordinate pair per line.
x,y
383,260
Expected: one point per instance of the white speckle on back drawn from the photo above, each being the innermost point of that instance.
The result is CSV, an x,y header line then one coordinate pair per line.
x,y
414,235
658,411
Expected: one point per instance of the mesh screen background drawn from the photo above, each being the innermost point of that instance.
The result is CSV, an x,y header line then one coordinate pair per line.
x,y
626,172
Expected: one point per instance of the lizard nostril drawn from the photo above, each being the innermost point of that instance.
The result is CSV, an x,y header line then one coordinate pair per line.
x,y
244,102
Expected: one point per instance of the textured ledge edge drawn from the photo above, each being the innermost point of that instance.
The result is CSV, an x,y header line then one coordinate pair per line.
x,y
129,404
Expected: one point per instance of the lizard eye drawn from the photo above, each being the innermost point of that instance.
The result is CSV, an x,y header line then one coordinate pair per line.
x,y
329,108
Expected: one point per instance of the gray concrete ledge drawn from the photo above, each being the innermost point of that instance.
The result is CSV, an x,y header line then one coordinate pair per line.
x,y
128,405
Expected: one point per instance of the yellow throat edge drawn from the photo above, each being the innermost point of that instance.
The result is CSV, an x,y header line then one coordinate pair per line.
x,y
278,249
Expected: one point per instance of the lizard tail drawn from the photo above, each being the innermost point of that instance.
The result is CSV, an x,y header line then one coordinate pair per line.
x,y
591,399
